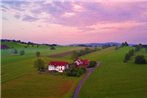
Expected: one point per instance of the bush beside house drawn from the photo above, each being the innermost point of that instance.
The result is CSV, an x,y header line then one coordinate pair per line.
x,y
92,64
75,72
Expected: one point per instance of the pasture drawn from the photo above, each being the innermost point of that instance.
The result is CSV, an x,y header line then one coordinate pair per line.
x,y
115,79
20,79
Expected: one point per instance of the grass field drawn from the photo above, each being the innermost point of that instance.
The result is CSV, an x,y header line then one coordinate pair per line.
x,y
14,65
21,80
115,79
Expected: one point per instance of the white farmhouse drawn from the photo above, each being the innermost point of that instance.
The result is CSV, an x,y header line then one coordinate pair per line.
x,y
59,66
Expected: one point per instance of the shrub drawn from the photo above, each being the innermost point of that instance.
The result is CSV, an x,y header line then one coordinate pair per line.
x,y
127,57
92,64
14,51
75,72
39,64
140,59
82,70
52,48
37,54
21,52
131,52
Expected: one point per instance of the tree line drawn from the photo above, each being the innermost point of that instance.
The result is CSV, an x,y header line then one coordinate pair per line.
x,y
139,59
77,54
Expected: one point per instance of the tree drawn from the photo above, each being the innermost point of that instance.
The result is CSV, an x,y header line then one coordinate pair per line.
x,y
39,64
87,50
131,52
74,55
26,46
52,48
37,46
127,57
140,59
92,64
37,54
22,52
14,51
138,47
124,44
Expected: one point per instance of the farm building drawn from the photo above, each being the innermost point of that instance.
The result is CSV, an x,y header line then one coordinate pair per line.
x,y
81,62
59,66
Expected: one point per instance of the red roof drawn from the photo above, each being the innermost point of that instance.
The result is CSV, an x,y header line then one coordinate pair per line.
x,y
82,62
85,62
58,63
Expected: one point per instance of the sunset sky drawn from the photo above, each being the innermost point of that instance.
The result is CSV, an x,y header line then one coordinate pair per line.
x,y
75,21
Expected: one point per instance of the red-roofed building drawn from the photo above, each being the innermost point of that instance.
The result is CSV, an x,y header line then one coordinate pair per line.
x,y
59,66
82,62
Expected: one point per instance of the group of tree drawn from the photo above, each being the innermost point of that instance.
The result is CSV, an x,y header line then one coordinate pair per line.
x,y
129,55
21,52
138,47
106,46
139,59
76,54
74,71
124,44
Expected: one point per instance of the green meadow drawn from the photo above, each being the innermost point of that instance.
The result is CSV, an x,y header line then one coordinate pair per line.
x,y
115,79
20,79
112,79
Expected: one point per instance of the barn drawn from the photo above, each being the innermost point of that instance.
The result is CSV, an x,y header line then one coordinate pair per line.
x,y
59,66
82,62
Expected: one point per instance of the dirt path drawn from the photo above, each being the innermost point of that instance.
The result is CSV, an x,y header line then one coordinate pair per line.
x,y
77,90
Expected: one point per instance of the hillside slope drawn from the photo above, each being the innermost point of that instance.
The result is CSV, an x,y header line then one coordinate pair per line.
x,y
115,79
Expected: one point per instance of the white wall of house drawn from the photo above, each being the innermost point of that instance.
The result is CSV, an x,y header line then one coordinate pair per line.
x,y
78,62
57,68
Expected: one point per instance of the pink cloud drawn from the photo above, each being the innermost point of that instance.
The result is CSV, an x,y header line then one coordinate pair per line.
x,y
75,22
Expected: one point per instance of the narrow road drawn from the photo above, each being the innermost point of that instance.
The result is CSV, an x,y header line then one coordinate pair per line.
x,y
89,71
